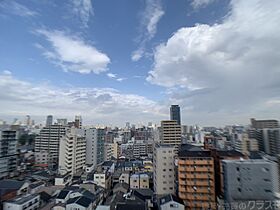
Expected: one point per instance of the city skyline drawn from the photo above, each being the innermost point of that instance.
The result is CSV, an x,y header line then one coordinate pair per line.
x,y
126,62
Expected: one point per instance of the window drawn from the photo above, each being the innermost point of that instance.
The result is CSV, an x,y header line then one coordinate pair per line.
x,y
237,168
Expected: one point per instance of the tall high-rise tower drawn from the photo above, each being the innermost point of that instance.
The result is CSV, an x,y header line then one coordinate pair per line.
x,y
49,120
175,113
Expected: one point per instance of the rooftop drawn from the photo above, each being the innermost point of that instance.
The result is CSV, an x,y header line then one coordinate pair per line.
x,y
23,199
11,184
186,153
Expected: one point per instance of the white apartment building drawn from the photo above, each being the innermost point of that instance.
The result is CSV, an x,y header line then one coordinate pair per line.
x,y
103,178
48,141
26,202
164,169
252,179
72,152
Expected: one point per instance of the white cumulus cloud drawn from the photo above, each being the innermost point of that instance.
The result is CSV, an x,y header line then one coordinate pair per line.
x,y
97,105
226,70
72,53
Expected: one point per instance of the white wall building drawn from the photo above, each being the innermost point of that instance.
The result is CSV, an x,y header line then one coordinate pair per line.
x,y
72,152
26,202
164,169
253,179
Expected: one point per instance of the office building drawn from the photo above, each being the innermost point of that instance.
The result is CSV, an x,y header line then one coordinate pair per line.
x,y
8,153
164,169
49,120
196,179
48,141
175,113
94,145
250,180
72,152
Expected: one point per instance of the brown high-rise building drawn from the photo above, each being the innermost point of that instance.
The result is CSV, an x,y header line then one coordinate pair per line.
x,y
196,179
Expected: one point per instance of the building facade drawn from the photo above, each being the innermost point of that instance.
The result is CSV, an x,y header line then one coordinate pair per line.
x,y
72,152
196,179
8,152
250,180
170,133
48,141
164,169
94,145
175,113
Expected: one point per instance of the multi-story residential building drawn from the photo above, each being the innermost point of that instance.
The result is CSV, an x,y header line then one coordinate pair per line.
x,y
175,113
164,169
142,148
94,145
111,150
78,121
250,180
170,133
196,179
48,140
261,124
246,145
41,159
26,202
103,179
269,140
139,181
72,152
8,152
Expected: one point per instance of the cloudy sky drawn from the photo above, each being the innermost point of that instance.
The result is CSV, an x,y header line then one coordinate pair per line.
x,y
122,60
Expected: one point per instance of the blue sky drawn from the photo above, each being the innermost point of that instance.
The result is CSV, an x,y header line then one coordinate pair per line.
x,y
117,61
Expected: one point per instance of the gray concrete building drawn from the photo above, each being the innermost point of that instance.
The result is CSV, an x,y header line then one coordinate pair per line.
x,y
8,152
250,180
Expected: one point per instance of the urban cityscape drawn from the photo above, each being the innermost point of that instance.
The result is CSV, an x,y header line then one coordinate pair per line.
x,y
139,105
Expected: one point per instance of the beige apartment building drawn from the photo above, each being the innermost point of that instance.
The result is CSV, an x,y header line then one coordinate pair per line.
x,y
164,169
72,152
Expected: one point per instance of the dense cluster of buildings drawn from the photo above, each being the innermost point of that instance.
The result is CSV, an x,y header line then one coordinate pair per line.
x,y
170,166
